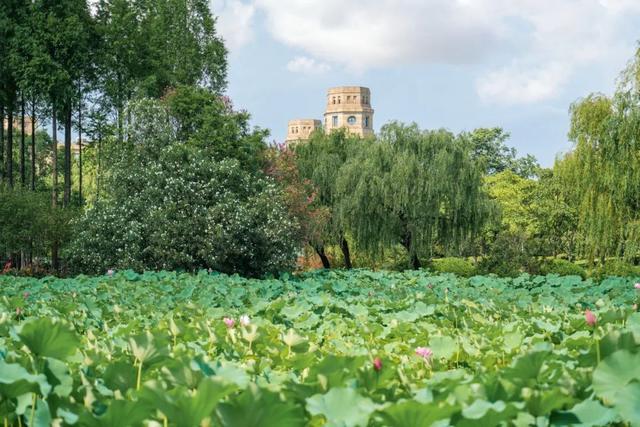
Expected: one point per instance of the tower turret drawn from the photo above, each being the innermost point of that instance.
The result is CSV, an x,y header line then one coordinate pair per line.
x,y
349,107
300,129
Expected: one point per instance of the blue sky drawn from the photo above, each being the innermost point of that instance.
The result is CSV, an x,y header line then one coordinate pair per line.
x,y
455,64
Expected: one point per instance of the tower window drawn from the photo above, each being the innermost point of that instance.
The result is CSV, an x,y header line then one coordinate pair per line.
x,y
351,120
334,121
366,121
334,99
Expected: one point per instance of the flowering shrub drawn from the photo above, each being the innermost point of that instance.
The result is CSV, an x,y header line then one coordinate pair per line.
x,y
172,206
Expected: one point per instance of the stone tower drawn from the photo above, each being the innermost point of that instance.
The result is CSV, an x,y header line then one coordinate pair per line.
x,y
349,107
300,129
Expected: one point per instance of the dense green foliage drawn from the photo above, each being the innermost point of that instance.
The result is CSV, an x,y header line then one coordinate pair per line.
x,y
28,224
605,171
412,187
563,267
489,147
409,187
458,266
182,204
331,348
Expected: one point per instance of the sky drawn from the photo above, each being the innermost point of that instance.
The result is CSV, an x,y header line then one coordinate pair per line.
x,y
454,64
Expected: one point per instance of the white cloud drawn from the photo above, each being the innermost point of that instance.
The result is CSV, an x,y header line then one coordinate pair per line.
x,y
362,34
235,21
515,84
305,65
526,50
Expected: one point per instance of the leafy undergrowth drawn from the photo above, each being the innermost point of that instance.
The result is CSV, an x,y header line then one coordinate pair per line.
x,y
329,348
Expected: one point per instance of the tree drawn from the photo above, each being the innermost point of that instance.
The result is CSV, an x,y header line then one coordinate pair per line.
x,y
208,121
488,145
300,196
412,187
185,49
554,206
320,160
150,47
606,168
124,57
11,12
28,223
170,205
514,196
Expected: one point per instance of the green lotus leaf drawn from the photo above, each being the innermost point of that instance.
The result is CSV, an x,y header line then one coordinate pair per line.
x,y
16,381
342,407
120,375
588,413
148,349
615,372
232,374
256,407
59,377
183,408
411,413
294,341
47,338
120,413
444,346
484,413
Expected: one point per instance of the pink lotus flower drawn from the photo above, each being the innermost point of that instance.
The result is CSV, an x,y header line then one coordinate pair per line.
x,y
244,320
229,322
637,286
424,352
110,272
590,318
377,364
25,295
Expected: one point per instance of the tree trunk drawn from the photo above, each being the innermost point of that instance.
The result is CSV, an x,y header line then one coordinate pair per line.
x,y
344,246
23,150
413,257
9,154
66,201
54,186
415,262
80,150
323,256
33,146
99,167
1,143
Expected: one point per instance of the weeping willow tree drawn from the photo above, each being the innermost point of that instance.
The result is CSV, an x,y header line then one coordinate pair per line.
x,y
320,161
606,168
414,188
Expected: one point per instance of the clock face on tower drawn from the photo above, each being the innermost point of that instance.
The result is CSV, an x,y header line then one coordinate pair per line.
x,y
351,120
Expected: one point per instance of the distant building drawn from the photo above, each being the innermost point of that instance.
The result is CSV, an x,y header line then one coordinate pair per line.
x,y
16,124
347,107
300,129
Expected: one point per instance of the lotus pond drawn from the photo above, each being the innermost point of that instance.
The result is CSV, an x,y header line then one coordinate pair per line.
x,y
330,348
